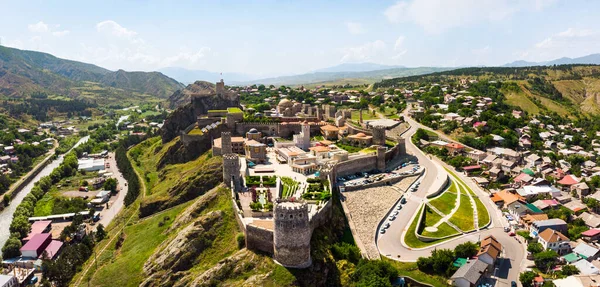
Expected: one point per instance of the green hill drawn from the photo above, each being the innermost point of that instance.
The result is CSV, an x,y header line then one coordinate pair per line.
x,y
24,72
565,89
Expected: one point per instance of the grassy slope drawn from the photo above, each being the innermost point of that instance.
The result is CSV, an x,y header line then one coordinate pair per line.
x,y
411,270
521,100
123,267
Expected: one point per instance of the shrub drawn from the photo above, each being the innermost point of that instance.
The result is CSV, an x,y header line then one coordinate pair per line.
x,y
346,251
241,240
11,248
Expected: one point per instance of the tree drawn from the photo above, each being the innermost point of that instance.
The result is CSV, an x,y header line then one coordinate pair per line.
x,y
11,248
110,184
374,273
20,225
100,232
526,278
568,270
535,247
545,260
6,200
466,250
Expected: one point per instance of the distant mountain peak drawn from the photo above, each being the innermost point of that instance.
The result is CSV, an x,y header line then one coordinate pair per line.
x,y
593,59
356,67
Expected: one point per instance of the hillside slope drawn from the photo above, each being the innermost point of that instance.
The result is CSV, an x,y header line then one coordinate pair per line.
x,y
23,72
566,89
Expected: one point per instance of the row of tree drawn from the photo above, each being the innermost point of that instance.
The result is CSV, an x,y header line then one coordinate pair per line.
x,y
133,188
20,226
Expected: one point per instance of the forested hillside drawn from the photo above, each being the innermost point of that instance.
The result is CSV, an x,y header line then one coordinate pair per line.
x,y
25,72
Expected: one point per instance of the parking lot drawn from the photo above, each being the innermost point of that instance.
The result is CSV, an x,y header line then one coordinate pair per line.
x,y
363,178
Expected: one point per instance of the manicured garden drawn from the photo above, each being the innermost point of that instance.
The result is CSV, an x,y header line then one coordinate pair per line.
x,y
290,186
446,202
317,190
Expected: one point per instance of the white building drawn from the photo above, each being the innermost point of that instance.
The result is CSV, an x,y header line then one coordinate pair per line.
x,y
91,164
302,140
8,281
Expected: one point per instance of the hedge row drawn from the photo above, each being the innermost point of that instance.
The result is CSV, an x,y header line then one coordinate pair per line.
x,y
124,165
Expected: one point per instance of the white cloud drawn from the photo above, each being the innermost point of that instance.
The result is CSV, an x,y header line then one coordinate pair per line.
x,y
39,27
355,28
113,28
435,16
377,51
185,58
572,42
61,33
366,52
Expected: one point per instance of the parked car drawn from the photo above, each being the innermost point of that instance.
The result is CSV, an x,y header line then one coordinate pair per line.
x,y
386,225
392,218
506,229
403,200
399,207
381,231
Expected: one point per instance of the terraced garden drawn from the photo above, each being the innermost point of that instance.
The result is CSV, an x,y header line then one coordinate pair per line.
x,y
457,210
290,186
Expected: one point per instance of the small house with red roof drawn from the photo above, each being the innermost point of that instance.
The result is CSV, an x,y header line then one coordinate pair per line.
x,y
591,235
471,168
455,148
567,181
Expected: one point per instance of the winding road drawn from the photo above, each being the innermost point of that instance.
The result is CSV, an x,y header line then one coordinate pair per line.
x,y
390,244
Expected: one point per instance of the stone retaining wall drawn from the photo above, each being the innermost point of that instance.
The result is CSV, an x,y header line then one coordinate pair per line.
x,y
258,238
363,163
383,182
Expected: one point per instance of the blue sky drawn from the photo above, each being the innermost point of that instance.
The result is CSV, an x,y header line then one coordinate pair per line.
x,y
287,37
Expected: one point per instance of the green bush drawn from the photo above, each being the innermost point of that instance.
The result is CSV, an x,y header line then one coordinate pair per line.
x,y
241,240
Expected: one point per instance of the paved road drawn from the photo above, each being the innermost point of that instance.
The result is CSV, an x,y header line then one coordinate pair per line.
x,y
390,244
115,204
6,215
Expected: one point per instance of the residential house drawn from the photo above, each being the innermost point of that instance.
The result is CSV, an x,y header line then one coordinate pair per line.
x,y
578,281
586,268
554,240
591,235
591,220
546,204
586,252
469,274
582,189
489,250
541,225
476,155
528,219
520,208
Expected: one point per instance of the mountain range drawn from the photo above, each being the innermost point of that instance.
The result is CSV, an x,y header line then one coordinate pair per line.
x,y
24,72
593,59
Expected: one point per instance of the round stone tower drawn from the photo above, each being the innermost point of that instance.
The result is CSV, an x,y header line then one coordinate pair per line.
x,y
292,234
231,171
378,135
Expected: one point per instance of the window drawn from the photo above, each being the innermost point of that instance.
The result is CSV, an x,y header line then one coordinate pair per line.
x,y
291,216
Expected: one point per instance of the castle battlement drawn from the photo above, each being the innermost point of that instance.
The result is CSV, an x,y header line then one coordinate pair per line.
x,y
230,156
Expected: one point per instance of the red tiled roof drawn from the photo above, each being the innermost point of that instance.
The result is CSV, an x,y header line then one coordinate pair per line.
x,y
591,232
471,167
455,145
568,180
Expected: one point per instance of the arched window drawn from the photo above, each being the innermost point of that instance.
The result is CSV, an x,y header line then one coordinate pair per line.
x,y
291,216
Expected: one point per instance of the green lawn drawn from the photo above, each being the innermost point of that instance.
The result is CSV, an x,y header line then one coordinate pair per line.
x,y
446,202
431,217
483,217
463,217
411,239
443,230
411,270
367,115
195,132
348,148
